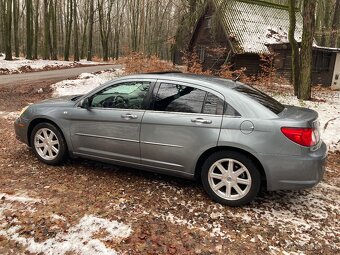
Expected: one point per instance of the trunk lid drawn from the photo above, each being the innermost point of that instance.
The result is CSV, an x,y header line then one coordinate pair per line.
x,y
299,114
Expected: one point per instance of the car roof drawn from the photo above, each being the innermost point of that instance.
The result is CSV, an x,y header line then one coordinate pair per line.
x,y
213,82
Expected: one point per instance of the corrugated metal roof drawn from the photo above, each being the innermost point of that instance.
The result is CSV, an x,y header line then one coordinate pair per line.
x,y
252,24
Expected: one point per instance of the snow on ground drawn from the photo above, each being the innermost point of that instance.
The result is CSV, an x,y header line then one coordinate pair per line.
x,y
84,83
305,220
9,115
19,65
87,237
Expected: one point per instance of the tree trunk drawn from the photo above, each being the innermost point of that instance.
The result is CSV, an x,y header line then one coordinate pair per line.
x,y
69,20
90,35
8,29
84,31
325,25
46,54
54,39
105,26
306,49
36,29
75,32
295,47
29,29
335,24
16,27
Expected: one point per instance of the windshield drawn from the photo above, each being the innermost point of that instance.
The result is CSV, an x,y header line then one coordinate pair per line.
x,y
262,98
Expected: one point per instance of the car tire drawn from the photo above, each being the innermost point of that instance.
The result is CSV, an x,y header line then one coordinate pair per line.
x,y
233,188
48,144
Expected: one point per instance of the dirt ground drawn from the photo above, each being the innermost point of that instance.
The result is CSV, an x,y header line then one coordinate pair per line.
x,y
44,209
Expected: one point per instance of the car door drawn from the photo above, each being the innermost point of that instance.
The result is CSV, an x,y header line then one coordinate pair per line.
x,y
184,121
110,127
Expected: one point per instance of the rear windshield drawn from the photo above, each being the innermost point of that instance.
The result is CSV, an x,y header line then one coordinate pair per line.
x,y
261,98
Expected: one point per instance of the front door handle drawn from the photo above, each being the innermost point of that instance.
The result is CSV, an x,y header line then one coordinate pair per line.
x,y
201,121
129,116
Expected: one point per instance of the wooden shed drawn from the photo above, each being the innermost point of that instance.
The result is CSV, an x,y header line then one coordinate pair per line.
x,y
237,32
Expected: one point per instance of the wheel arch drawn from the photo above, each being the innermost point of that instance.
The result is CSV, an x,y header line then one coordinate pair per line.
x,y
37,121
210,151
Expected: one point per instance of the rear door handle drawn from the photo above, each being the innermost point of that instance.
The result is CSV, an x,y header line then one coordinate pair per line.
x,y
129,116
201,121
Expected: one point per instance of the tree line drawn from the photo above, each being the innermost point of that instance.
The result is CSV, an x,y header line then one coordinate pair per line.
x,y
107,29
80,29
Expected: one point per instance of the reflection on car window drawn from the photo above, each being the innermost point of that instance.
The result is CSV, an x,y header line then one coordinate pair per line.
x,y
127,95
213,105
262,98
179,98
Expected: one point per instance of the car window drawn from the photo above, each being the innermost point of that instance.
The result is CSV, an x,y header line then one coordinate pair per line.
x,y
213,105
127,95
180,98
262,98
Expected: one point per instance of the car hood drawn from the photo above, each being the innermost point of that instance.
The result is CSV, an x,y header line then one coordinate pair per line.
x,y
65,100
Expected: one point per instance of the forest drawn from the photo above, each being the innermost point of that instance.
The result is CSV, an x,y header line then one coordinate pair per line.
x,y
108,29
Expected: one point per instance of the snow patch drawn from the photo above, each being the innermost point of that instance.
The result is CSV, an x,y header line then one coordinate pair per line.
x,y
9,115
79,239
20,65
276,35
87,237
17,198
84,83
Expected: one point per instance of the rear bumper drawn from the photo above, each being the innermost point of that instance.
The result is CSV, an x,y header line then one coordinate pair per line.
x,y
295,172
20,128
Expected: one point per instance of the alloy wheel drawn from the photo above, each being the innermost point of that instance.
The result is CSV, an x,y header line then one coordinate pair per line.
x,y
46,144
229,179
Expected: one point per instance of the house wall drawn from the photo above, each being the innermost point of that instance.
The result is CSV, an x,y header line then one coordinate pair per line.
x,y
249,61
323,65
336,73
325,75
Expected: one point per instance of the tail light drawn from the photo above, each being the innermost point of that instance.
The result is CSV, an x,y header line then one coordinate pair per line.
x,y
303,136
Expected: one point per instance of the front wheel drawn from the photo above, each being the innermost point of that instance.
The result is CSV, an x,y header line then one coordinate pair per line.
x,y
48,144
230,178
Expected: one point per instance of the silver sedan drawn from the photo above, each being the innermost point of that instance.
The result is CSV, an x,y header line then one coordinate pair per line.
x,y
230,135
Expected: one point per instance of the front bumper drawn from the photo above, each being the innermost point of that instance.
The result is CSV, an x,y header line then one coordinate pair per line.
x,y
295,172
21,128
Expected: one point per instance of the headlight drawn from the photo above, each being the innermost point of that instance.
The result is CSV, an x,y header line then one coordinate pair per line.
x,y
23,110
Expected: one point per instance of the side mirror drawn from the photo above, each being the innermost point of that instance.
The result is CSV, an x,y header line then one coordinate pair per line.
x,y
85,103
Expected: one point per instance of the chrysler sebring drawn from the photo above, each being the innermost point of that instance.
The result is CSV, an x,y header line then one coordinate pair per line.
x,y
232,136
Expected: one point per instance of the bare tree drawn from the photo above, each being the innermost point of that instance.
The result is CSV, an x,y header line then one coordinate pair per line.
x,y
46,54
68,28
335,24
7,7
90,34
29,29
304,91
75,32
294,46
105,12
36,28
16,27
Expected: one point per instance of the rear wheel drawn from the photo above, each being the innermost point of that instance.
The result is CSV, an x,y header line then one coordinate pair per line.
x,y
48,144
230,178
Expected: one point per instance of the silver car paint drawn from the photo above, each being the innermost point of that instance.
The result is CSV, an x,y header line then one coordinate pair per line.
x,y
171,143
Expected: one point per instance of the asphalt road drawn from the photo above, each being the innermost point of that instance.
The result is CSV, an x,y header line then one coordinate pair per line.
x,y
50,76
